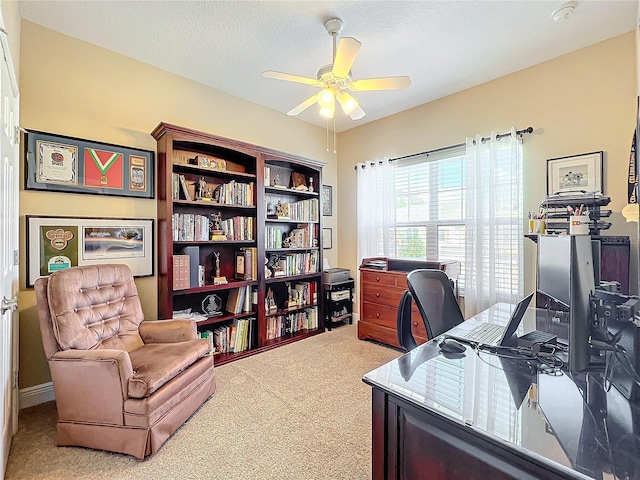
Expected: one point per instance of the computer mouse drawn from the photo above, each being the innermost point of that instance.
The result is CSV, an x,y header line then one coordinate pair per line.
x,y
449,345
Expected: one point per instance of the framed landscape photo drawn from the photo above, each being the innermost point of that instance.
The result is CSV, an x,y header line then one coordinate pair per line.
x,y
327,200
66,164
575,173
56,243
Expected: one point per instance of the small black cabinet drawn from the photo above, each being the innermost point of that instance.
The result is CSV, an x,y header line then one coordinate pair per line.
x,y
338,302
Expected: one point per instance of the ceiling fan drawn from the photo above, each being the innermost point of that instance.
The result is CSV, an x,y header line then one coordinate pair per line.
x,y
335,80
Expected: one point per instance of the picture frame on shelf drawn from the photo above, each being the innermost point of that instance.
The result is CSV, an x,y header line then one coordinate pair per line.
x,y
575,173
58,163
327,200
327,238
56,243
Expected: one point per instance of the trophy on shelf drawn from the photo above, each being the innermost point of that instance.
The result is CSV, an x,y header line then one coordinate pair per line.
x,y
211,305
203,190
217,233
218,279
292,299
269,301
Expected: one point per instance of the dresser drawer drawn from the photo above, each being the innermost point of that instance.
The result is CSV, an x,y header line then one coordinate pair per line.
x,y
380,314
382,295
379,278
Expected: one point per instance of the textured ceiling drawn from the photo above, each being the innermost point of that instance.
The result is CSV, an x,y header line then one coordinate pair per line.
x,y
444,46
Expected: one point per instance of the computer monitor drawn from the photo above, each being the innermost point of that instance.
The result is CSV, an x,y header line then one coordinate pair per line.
x,y
566,274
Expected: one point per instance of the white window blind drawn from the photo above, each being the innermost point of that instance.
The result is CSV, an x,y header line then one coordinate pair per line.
x,y
430,202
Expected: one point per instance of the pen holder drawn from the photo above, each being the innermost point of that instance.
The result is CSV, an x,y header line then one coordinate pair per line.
x,y
579,225
537,225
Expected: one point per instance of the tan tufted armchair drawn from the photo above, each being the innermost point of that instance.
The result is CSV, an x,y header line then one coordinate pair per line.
x,y
120,384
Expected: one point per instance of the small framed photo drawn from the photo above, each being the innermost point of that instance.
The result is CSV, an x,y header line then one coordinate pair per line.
x,y
575,173
240,266
327,238
327,200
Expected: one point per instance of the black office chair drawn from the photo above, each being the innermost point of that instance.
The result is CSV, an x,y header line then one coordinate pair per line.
x,y
436,302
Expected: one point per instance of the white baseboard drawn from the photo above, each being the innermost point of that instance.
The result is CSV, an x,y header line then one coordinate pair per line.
x,y
36,395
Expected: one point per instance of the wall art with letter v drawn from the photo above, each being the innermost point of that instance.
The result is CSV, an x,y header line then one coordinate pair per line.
x,y
65,164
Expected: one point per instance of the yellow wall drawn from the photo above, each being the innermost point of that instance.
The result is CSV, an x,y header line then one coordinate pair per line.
x,y
73,88
580,102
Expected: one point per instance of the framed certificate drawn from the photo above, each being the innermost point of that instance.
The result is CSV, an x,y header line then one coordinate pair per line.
x,y
66,164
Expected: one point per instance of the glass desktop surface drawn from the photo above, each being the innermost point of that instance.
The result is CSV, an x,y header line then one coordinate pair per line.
x,y
548,417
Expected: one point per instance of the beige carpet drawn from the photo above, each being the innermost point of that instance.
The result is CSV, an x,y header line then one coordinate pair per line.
x,y
297,412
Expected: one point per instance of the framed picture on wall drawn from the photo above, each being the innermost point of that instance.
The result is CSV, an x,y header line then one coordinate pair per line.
x,y
56,243
65,164
327,200
575,173
327,238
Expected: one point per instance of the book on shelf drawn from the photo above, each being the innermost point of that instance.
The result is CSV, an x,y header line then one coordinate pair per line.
x,y
184,188
193,252
181,279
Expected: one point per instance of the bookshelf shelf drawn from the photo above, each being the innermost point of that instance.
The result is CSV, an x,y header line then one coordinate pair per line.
x,y
236,195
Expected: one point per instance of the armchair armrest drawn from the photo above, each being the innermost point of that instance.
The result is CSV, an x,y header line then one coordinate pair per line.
x,y
167,331
91,385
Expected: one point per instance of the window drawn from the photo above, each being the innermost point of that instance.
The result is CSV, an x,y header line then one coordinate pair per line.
x,y
430,207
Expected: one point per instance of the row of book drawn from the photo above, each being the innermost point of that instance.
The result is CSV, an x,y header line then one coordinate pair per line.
x,y
189,227
302,210
179,189
304,236
234,193
236,337
241,299
303,293
281,325
297,263
238,228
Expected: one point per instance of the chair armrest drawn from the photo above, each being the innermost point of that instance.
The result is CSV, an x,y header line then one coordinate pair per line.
x,y
168,331
91,385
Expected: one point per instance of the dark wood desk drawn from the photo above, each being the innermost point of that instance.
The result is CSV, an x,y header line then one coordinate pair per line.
x,y
483,417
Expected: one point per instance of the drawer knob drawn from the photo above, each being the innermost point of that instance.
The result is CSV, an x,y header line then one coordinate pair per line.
x,y
415,324
377,279
377,294
377,315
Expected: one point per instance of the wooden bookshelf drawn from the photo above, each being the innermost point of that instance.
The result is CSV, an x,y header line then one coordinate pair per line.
x,y
239,190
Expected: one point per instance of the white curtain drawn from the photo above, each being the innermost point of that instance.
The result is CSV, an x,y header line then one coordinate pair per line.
x,y
376,209
494,222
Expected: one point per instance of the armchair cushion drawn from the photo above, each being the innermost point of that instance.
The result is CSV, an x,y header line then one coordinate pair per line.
x,y
157,363
95,307
168,331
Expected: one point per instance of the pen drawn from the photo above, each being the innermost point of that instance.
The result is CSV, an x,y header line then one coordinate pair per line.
x,y
570,209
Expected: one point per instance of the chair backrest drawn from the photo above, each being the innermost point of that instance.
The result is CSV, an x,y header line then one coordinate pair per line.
x,y
433,294
403,323
89,307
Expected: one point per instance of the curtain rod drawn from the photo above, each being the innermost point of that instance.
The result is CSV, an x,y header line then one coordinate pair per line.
x,y
458,145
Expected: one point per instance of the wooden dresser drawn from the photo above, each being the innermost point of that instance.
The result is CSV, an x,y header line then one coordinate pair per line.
x,y
382,283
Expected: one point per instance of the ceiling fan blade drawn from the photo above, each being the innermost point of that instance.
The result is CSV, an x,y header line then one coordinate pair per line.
x,y
383,83
303,106
345,55
290,78
357,113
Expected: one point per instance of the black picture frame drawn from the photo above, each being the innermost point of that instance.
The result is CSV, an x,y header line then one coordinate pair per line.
x,y
58,163
583,172
55,243
327,200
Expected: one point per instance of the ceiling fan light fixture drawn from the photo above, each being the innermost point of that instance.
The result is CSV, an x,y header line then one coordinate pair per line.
x,y
326,98
327,112
347,102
